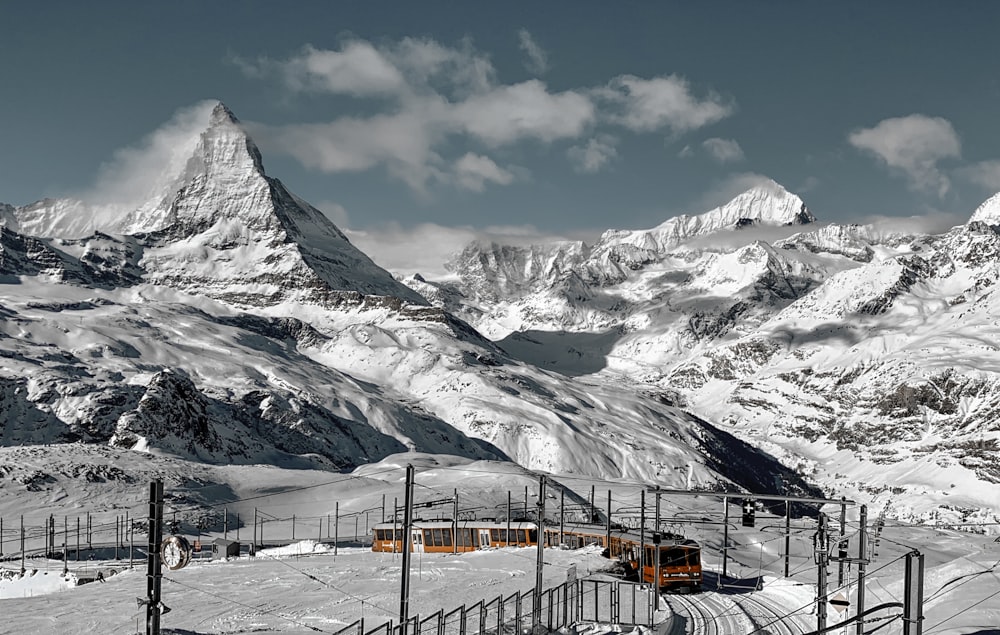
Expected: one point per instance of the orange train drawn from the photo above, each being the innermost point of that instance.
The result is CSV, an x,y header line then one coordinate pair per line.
x,y
680,558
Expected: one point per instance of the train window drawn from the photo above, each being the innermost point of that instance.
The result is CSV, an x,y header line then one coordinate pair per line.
x,y
693,558
379,534
446,536
533,535
494,535
522,536
673,557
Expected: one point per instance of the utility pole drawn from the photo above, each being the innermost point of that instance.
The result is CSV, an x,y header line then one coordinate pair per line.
x,y
22,544
65,545
562,509
788,533
913,594
507,536
843,532
336,527
153,573
656,554
821,555
862,563
725,537
593,510
454,526
642,536
536,612
607,535
404,591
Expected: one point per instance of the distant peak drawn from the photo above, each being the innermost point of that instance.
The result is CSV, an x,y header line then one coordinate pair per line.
x,y
769,202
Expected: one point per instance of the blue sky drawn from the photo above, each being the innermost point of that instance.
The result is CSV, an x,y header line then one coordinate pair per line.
x,y
539,119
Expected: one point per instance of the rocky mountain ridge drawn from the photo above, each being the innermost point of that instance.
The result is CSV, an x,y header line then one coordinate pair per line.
x,y
227,321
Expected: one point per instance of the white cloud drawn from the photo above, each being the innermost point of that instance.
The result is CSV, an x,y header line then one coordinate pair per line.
x,y
723,150
357,69
662,102
526,110
984,173
473,171
436,97
685,152
913,146
537,62
139,173
594,155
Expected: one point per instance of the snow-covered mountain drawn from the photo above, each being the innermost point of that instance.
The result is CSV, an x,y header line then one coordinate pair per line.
x,y
861,356
226,321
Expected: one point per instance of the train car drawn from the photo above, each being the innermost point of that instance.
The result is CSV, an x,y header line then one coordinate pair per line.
x,y
446,536
680,558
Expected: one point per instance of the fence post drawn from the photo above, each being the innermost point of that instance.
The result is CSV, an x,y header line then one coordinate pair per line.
x,y
463,621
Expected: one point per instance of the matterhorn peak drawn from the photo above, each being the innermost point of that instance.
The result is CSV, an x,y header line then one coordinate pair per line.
x,y
221,114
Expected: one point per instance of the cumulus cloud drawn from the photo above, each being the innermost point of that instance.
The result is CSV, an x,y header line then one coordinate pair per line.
x,y
984,173
644,105
723,150
594,155
912,146
537,62
524,111
422,99
473,171
140,173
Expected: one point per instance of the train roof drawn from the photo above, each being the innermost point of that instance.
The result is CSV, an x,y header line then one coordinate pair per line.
x,y
622,533
464,524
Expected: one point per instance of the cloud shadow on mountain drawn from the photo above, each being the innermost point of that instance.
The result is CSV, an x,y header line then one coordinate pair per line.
x,y
845,333
569,354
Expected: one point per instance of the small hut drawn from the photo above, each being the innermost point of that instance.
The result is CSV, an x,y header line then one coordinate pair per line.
x,y
223,548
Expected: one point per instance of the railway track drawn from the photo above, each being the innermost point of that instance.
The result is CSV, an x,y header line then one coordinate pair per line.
x,y
717,614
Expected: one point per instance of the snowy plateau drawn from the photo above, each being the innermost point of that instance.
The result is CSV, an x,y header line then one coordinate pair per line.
x,y
226,337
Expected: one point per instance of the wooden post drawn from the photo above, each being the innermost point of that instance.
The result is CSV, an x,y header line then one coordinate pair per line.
x,y
336,528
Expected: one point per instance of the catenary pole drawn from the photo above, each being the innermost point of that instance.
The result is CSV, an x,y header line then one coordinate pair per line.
x,y
404,591
536,613
821,561
642,536
862,564
725,538
153,573
788,533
